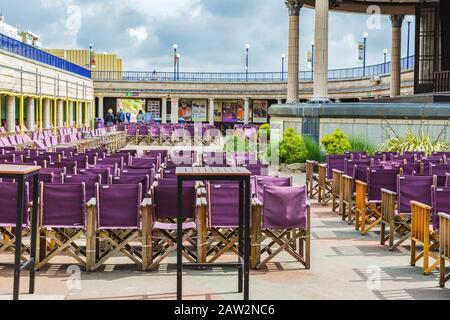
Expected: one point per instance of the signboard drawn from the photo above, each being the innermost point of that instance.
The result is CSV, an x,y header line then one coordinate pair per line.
x,y
260,108
131,94
185,110
154,106
360,51
199,110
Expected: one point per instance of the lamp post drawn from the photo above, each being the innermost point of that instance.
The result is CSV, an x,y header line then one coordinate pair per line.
x,y
283,56
312,59
385,52
365,36
90,56
178,66
247,48
409,19
175,47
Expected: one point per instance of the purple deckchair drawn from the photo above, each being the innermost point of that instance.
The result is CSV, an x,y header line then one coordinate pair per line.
x,y
440,198
89,181
8,204
413,188
380,179
440,170
335,162
262,181
144,180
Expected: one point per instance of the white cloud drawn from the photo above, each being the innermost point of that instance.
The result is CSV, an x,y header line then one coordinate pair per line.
x,y
140,34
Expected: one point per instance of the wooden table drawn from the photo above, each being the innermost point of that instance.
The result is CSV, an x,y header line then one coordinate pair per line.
x,y
241,175
20,173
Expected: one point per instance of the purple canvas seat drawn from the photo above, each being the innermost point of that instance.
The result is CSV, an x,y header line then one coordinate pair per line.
x,y
380,179
132,152
284,209
257,169
42,161
183,157
166,182
117,213
144,180
417,154
110,161
262,181
8,205
440,170
89,181
47,177
155,134
349,165
113,212
155,153
144,163
166,133
165,207
82,160
67,150
103,172
440,200
63,221
335,162
8,158
71,166
211,158
413,188
355,155
410,168
406,158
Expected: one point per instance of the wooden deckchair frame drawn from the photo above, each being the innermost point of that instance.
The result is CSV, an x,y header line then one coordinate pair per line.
x,y
336,190
311,179
444,247
118,240
8,240
346,199
324,186
421,234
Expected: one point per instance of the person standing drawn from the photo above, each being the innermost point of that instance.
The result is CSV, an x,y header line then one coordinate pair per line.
x,y
140,117
109,118
121,116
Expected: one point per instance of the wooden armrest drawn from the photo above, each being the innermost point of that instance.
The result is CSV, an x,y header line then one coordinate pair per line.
x,y
257,202
392,193
201,202
92,202
146,202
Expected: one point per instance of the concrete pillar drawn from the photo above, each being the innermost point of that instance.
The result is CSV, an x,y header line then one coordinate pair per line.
x,y
321,52
293,52
280,101
71,113
30,112
10,114
211,111
174,110
59,114
46,114
397,20
164,110
246,110
100,108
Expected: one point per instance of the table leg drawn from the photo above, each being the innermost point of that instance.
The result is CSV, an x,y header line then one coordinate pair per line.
x,y
34,224
179,239
247,240
241,234
18,236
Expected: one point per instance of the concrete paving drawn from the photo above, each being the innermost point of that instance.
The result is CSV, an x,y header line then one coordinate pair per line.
x,y
344,265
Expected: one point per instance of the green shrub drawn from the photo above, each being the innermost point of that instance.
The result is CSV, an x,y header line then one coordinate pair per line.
x,y
264,130
362,144
411,142
336,143
313,148
292,148
236,143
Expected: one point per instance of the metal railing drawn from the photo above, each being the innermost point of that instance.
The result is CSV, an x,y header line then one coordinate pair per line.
x,y
30,52
407,63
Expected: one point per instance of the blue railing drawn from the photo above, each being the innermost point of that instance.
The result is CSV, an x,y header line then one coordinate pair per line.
x,y
30,52
336,74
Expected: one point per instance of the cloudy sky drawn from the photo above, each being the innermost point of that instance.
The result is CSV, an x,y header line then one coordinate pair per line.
x,y
211,34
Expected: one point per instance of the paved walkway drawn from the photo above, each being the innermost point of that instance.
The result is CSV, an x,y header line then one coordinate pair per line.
x,y
344,265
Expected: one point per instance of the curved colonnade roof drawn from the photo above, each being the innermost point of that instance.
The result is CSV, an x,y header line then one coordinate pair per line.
x,y
361,6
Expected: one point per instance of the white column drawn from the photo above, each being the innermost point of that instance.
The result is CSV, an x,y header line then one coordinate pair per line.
x,y
10,114
100,108
293,54
80,114
211,111
321,52
59,114
164,110
280,101
70,113
397,20
246,110
174,110
31,122
46,114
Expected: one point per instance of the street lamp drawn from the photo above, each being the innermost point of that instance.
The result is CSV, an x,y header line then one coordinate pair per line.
x,y
365,36
247,48
385,52
90,56
283,56
312,59
409,19
175,47
178,66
